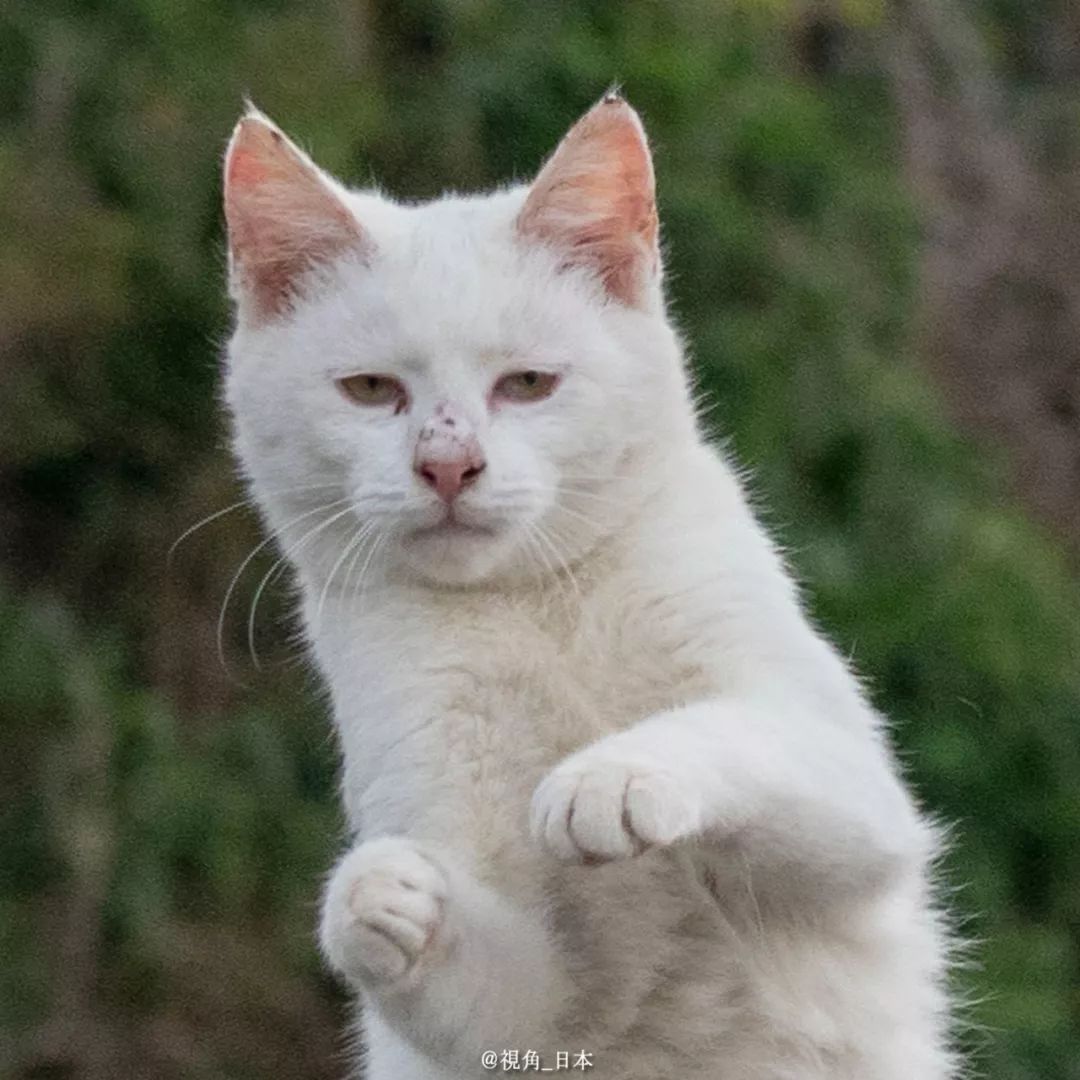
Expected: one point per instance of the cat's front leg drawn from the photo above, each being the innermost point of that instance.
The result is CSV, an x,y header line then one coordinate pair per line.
x,y
447,962
791,790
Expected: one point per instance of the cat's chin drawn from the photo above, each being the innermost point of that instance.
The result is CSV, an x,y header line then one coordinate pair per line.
x,y
455,553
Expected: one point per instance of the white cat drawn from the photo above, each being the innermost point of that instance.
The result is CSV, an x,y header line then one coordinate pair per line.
x,y
611,792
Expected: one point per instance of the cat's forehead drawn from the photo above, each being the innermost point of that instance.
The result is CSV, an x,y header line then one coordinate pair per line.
x,y
440,230
449,273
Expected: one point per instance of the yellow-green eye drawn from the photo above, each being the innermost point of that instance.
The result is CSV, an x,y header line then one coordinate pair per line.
x,y
526,385
374,390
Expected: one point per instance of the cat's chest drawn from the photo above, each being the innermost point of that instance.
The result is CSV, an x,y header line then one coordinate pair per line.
x,y
454,729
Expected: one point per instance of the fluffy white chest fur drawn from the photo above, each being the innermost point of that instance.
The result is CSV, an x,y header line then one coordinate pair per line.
x,y
610,791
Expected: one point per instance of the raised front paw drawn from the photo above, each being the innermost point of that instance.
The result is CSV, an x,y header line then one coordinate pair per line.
x,y
606,803
383,912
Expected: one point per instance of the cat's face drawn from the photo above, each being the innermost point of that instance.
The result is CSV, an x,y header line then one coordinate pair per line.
x,y
462,389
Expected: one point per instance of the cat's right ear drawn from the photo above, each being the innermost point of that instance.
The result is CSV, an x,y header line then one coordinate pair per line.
x,y
284,218
594,201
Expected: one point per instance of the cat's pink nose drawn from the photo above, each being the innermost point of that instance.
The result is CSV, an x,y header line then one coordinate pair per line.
x,y
449,476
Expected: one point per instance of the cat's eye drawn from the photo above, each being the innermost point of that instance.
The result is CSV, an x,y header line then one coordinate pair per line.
x,y
526,385
374,390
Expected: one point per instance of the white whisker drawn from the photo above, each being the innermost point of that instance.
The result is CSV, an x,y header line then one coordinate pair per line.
x,y
281,562
248,501
199,524
541,556
585,493
533,551
353,542
357,553
563,508
541,535
247,562
269,576
601,478
553,537
361,581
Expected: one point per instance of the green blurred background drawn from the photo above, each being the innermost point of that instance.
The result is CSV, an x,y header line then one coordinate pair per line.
x,y
870,212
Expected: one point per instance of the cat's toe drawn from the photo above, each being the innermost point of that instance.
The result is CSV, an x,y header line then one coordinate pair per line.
x,y
383,911
595,810
579,815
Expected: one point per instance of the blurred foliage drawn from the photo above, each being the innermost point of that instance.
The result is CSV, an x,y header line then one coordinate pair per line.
x,y
163,826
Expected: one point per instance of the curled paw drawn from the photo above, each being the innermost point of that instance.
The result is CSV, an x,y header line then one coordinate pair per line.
x,y
383,911
601,805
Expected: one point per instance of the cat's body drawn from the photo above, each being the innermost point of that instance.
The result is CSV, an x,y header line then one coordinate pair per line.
x,y
610,791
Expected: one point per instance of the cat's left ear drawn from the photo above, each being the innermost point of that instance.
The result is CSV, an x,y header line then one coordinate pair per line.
x,y
595,202
285,218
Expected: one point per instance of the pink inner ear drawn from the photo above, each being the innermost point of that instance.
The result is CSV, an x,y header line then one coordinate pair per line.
x,y
284,218
245,168
595,199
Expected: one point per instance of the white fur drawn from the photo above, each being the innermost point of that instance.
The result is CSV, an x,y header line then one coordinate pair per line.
x,y
640,686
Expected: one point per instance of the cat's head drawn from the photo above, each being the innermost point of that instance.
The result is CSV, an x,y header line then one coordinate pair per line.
x,y
462,389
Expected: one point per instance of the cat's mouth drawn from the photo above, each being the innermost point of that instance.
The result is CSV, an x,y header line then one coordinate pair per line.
x,y
453,527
